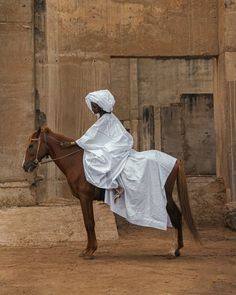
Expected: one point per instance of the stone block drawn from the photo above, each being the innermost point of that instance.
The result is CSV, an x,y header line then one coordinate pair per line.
x,y
230,215
207,199
51,225
207,196
16,193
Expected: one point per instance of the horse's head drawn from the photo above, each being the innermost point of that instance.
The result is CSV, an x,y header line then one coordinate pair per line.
x,y
36,150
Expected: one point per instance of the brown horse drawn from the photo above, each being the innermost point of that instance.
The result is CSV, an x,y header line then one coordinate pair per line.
x,y
44,143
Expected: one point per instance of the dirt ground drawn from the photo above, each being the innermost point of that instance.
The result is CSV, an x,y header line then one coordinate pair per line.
x,y
134,264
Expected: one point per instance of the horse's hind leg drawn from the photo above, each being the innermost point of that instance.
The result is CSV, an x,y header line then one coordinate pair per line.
x,y
176,220
172,209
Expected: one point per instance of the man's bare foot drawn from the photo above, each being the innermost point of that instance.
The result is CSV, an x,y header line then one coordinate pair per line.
x,y
118,192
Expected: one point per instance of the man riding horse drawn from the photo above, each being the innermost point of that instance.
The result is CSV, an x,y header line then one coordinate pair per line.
x,y
106,144
103,158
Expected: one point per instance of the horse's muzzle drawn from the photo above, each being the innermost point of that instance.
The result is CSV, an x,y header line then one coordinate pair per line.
x,y
30,166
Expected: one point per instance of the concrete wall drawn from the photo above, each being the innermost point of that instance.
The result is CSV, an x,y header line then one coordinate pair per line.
x,y
137,27
188,133
16,99
70,52
140,83
80,37
225,103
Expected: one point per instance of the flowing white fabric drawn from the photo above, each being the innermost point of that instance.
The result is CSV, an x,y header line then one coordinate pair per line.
x,y
109,161
143,178
106,147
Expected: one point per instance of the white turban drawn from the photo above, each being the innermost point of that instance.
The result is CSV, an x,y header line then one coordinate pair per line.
x,y
103,98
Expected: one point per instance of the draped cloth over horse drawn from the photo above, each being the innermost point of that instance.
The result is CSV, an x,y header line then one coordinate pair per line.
x,y
109,162
143,178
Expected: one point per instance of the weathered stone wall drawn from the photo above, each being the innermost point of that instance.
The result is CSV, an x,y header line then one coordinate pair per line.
x,y
16,99
70,52
207,199
137,27
138,83
82,36
81,39
225,103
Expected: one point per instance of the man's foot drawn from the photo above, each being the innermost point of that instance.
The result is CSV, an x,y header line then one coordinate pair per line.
x,y
118,192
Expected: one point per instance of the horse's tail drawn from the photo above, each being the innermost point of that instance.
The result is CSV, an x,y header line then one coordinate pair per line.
x,y
184,201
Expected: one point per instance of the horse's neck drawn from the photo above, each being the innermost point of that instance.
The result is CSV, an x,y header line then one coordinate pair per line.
x,y
58,137
56,151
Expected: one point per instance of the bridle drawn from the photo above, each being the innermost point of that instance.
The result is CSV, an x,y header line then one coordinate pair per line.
x,y
36,161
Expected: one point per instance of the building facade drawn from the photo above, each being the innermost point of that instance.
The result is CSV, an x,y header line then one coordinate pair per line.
x,y
170,64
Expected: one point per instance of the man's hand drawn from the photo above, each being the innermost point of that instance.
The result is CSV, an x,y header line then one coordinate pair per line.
x,y
66,144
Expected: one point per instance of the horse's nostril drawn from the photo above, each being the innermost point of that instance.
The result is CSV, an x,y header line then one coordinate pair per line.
x,y
26,167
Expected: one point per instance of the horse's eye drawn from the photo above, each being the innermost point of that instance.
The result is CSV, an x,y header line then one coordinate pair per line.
x,y
30,146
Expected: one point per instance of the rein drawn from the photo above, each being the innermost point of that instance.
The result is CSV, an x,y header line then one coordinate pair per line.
x,y
36,162
59,158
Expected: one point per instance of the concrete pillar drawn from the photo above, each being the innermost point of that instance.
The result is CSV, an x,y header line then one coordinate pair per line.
x,y
16,100
63,78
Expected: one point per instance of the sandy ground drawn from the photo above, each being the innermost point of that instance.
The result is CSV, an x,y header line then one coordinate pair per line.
x,y
134,264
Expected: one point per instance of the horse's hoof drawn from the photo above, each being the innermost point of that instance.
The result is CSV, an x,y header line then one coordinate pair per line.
x,y
88,257
83,253
170,256
87,254
177,253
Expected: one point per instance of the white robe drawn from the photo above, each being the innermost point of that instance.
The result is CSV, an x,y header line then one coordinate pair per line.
x,y
109,161
144,200
106,146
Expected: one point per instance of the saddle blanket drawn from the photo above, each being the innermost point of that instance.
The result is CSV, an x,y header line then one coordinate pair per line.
x,y
143,179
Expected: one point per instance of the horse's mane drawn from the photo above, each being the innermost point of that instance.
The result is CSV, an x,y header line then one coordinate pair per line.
x,y
58,136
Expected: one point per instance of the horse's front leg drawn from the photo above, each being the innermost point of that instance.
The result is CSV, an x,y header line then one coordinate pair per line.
x,y
87,210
